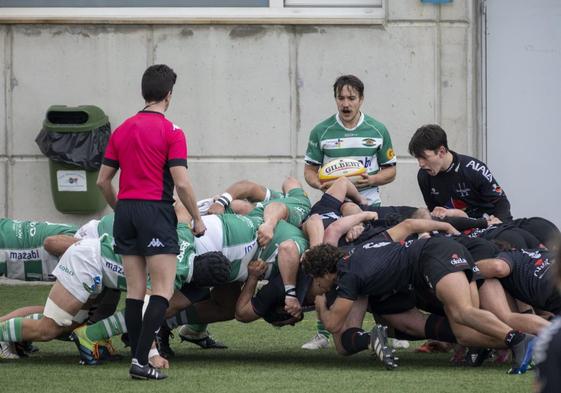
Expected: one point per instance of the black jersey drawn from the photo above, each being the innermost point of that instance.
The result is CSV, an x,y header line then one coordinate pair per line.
x,y
531,279
547,355
467,185
378,267
268,303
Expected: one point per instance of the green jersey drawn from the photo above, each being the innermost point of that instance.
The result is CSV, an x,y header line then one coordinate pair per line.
x,y
235,236
297,202
105,224
369,142
22,255
283,231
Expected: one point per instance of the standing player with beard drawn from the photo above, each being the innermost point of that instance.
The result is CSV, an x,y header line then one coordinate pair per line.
x,y
350,134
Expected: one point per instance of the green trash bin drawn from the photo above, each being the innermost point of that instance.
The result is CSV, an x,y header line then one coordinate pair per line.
x,y
74,139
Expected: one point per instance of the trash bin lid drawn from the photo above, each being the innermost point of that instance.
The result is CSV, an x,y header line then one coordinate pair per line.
x,y
83,118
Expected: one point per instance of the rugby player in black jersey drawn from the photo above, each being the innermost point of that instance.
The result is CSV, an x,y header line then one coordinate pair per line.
x,y
527,276
382,266
548,346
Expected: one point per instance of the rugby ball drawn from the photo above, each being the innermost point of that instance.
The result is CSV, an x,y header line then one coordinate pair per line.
x,y
342,167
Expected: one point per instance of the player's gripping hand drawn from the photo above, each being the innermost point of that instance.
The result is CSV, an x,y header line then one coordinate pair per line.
x,y
265,234
199,227
292,306
354,233
364,181
256,268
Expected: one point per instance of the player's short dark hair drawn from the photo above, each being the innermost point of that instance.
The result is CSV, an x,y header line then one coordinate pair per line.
x,y
210,269
322,259
157,82
348,80
427,137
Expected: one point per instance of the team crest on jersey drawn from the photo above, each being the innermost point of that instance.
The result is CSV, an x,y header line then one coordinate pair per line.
x,y
369,142
390,154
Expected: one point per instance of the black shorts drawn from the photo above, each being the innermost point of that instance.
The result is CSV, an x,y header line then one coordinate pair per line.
x,y
442,256
328,208
395,304
145,228
478,248
195,294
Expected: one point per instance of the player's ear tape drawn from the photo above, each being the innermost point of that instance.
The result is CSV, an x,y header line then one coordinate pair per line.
x,y
225,199
210,269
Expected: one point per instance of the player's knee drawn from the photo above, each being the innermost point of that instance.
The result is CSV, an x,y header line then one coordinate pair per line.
x,y
289,248
290,183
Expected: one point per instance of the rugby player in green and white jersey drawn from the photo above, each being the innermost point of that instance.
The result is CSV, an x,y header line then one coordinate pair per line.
x,y
23,255
90,265
351,134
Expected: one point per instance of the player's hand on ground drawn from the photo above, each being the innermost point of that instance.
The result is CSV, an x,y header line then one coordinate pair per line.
x,y
265,234
157,361
256,268
199,227
292,306
354,233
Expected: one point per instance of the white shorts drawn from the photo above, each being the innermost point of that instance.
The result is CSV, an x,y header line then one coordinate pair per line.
x,y
80,271
88,230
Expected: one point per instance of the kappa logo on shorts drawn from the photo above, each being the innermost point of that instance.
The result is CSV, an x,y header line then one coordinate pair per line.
x,y
155,243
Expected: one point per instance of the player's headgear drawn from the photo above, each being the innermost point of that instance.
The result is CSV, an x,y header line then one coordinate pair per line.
x,y
210,269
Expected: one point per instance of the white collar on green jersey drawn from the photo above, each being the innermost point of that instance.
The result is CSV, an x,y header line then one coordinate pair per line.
x,y
350,129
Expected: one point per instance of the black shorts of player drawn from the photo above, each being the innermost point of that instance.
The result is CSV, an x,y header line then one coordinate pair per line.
x,y
329,208
195,294
145,228
394,304
440,257
478,248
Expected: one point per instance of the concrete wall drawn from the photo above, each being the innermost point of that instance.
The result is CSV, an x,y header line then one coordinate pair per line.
x,y
247,96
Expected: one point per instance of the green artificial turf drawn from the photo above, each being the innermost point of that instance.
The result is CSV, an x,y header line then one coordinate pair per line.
x,y
260,359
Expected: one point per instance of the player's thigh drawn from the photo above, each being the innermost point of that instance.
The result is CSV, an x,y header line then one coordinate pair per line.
x,y
492,298
162,269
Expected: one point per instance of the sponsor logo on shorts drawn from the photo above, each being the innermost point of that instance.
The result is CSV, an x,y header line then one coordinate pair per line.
x,y
24,255
155,242
94,286
65,269
114,267
457,260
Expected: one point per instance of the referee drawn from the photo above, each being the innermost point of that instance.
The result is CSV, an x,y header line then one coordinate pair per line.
x,y
151,153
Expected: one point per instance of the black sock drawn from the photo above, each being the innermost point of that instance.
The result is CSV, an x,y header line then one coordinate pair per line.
x,y
513,337
438,328
133,319
153,319
355,340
